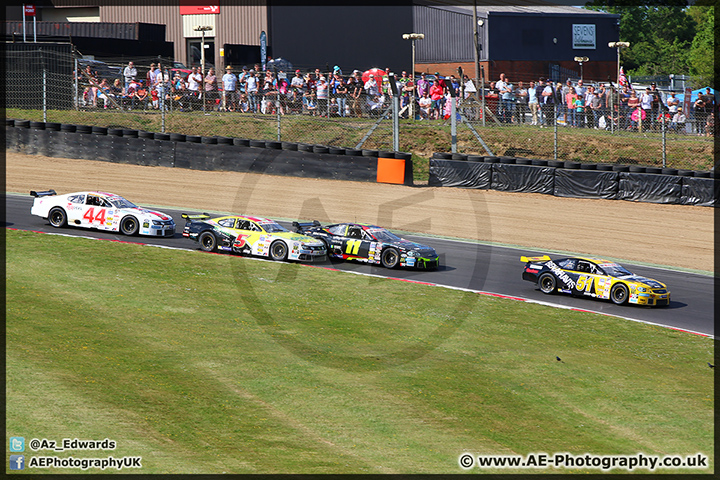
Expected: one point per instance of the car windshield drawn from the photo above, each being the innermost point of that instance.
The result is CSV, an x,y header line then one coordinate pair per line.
x,y
273,227
615,270
383,235
120,202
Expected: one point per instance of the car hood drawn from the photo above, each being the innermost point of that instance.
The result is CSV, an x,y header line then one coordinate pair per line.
x,y
296,237
649,282
421,249
152,214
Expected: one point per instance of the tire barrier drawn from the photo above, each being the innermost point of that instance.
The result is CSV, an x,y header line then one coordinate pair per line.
x,y
577,180
207,153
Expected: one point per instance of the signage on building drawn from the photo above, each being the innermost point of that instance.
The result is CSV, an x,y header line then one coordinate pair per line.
x,y
29,10
583,36
192,8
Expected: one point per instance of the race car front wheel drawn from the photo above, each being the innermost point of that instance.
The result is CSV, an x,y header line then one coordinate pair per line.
x,y
619,294
547,283
278,251
390,258
129,225
57,217
207,242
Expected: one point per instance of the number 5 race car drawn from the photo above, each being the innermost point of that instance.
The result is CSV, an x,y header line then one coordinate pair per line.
x,y
594,277
104,211
252,235
370,244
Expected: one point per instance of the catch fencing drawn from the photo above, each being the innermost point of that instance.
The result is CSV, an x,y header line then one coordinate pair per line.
x,y
44,86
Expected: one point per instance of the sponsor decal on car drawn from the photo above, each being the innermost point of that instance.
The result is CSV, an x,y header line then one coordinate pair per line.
x,y
561,274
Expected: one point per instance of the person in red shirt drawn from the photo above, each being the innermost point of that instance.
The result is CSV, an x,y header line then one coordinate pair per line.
x,y
436,95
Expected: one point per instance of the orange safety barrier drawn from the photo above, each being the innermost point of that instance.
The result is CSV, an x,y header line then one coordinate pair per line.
x,y
391,170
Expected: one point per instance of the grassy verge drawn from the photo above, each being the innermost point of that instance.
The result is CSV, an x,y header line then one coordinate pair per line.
x,y
206,363
421,138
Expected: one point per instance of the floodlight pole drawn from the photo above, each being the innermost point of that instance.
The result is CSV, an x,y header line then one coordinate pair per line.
x,y
412,37
618,46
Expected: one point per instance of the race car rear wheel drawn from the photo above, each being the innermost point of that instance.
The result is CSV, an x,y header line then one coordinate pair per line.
x,y
278,250
390,258
619,294
57,217
547,283
207,241
129,225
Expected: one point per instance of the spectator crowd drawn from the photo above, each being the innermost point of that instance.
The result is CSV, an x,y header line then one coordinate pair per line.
x,y
332,94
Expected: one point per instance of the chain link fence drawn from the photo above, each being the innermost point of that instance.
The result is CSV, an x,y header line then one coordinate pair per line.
x,y
61,88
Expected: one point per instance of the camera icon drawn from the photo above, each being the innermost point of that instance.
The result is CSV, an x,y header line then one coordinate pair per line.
x,y
17,444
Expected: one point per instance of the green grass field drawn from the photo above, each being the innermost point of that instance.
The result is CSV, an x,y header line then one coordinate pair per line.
x,y
206,363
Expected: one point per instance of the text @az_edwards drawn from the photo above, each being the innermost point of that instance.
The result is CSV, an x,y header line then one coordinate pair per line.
x,y
589,461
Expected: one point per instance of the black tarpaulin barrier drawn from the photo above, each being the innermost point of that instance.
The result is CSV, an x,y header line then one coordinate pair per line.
x,y
458,173
649,187
586,183
511,177
699,191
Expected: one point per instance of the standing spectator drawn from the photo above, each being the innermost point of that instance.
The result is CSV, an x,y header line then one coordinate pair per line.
x,y
657,101
130,74
570,98
322,89
646,101
595,108
548,103
624,107
357,90
423,86
211,92
341,91
149,76
672,103
563,111
252,89
521,103
539,89
436,94
297,86
500,87
633,104
533,103
194,81
602,94
229,94
507,96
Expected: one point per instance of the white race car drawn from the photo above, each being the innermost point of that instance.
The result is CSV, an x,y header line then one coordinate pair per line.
x,y
104,211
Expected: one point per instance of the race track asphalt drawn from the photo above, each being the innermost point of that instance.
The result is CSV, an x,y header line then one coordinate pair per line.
x,y
467,265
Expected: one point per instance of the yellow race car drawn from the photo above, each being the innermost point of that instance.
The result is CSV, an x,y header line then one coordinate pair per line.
x,y
594,277
253,236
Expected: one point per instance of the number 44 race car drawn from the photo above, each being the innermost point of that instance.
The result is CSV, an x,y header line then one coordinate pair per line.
x,y
594,277
104,211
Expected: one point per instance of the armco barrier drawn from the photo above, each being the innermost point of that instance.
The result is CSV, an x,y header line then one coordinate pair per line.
x,y
616,182
205,153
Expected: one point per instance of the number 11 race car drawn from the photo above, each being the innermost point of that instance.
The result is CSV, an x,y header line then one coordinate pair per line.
x,y
370,244
596,278
104,211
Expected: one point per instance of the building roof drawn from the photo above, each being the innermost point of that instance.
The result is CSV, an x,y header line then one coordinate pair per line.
x,y
512,7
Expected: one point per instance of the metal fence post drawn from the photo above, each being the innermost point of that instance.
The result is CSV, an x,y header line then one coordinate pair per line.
x,y
664,139
554,120
453,124
396,122
44,94
277,112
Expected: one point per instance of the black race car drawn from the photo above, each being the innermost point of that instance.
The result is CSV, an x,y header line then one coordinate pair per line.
x,y
370,244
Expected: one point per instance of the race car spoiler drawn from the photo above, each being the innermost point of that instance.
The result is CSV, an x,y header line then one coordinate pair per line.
x,y
544,258
43,194
299,226
198,216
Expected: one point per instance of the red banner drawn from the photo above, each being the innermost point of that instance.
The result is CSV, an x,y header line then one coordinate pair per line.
x,y
192,8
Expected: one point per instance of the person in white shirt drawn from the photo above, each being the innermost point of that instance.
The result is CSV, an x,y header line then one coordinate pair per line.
x,y
130,74
251,89
194,81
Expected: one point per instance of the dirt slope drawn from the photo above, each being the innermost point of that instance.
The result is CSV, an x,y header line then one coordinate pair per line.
x,y
674,235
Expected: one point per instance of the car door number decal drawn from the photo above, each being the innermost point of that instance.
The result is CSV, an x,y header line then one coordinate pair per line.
x,y
353,246
91,217
585,283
